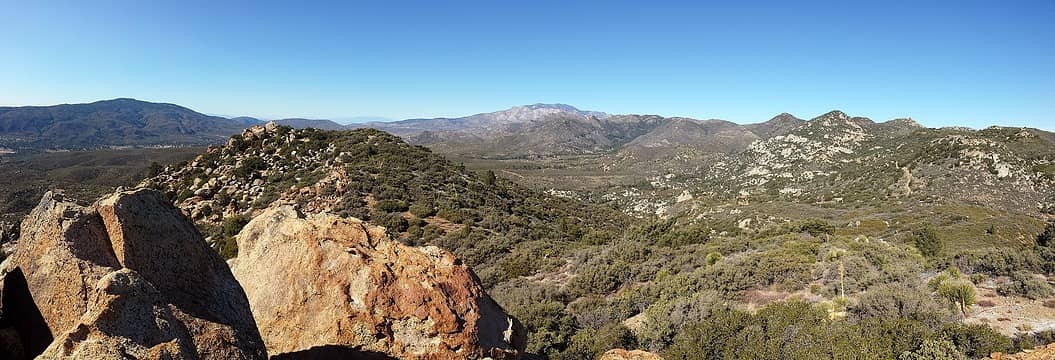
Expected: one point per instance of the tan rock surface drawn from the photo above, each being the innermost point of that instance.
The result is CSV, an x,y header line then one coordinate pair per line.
x,y
129,277
621,354
126,318
1040,353
321,281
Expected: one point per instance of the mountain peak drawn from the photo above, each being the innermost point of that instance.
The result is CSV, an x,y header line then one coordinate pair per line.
x,y
564,107
909,122
118,100
834,115
785,117
126,102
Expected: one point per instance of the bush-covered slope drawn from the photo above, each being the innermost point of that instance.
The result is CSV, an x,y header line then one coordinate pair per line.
x,y
584,278
368,174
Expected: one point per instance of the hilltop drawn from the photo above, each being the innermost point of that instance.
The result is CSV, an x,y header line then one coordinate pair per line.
x,y
419,196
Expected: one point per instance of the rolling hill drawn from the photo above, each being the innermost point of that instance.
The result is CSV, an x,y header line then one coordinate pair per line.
x,y
111,123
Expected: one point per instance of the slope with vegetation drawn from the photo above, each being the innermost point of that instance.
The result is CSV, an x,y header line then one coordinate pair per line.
x,y
584,278
417,195
24,178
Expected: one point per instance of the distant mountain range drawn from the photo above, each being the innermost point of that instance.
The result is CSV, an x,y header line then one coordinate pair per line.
x,y
118,122
542,130
537,130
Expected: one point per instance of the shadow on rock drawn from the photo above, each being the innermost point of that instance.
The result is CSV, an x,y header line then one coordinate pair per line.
x,y
23,332
332,352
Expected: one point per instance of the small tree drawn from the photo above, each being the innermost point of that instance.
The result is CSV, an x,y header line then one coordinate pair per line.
x,y
490,178
960,293
927,242
1047,237
713,258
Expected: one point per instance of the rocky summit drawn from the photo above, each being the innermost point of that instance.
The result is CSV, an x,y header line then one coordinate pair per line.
x,y
319,281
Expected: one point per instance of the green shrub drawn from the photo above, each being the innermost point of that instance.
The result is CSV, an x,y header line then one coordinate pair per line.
x,y
666,319
390,206
960,293
1026,285
232,225
593,312
422,210
1025,342
713,258
934,349
927,241
250,166
710,339
1047,237
517,264
814,227
595,237
184,195
590,343
797,330
976,340
550,325
416,221
1001,262
896,301
229,248
393,222
458,216
599,278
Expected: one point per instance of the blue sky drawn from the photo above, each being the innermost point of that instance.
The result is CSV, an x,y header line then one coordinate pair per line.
x,y
970,63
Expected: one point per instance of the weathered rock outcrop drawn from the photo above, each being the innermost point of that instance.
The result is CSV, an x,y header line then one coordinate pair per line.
x,y
129,277
322,282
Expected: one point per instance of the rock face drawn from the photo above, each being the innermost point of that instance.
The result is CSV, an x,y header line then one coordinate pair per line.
x,y
129,277
620,354
322,283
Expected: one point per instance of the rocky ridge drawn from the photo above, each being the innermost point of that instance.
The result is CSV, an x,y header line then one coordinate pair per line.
x,y
486,122
838,158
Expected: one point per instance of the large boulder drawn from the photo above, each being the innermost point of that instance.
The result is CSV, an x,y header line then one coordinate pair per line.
x,y
128,277
321,285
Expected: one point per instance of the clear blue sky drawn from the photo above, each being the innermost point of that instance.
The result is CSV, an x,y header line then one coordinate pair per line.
x,y
969,63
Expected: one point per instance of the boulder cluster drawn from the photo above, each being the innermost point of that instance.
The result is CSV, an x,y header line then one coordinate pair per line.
x,y
219,189
131,277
